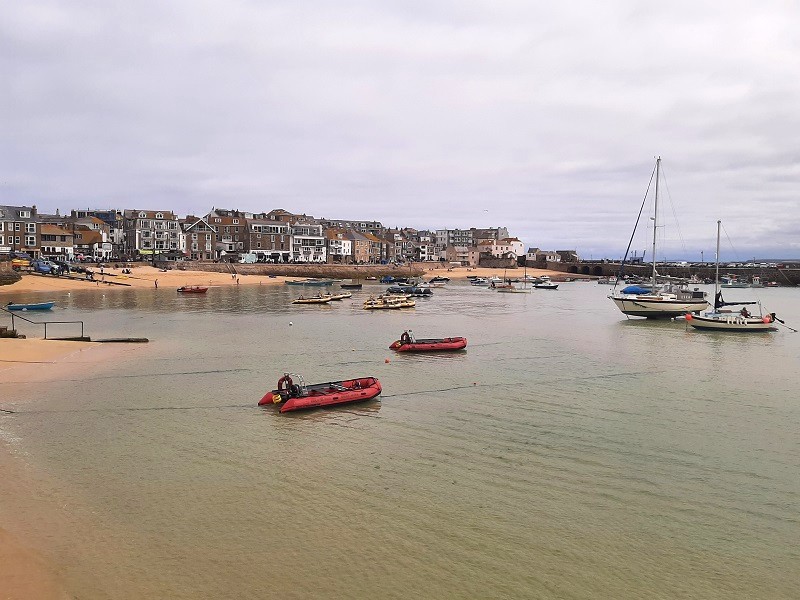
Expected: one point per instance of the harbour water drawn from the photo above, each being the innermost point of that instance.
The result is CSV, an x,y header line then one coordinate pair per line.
x,y
568,453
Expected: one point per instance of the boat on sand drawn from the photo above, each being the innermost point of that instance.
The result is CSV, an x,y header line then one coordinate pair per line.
x,y
292,393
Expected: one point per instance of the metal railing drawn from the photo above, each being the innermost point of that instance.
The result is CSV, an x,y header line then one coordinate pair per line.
x,y
45,323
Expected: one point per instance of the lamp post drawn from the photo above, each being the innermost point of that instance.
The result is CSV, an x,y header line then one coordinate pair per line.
x,y
701,257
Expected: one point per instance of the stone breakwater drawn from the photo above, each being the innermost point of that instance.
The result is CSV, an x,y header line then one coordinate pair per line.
x,y
321,271
7,274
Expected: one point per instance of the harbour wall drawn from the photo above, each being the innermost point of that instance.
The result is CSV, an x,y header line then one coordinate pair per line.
x,y
783,276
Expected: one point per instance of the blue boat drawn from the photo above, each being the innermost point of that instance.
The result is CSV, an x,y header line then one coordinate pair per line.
x,y
31,306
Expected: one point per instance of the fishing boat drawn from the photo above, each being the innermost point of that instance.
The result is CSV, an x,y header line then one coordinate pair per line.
x,y
31,306
663,301
408,343
318,299
192,289
440,279
351,286
478,281
310,281
725,319
292,393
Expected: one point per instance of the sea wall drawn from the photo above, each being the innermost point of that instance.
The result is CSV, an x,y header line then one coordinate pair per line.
x,y
305,270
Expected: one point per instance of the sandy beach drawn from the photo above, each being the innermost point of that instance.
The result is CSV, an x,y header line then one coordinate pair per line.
x,y
148,277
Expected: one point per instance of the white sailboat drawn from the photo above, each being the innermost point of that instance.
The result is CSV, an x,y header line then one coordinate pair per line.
x,y
725,319
658,301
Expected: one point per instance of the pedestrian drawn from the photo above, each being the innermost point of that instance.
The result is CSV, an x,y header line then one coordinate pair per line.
x,y
156,282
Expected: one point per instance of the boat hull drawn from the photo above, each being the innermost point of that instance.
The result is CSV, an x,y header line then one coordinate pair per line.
x,y
321,395
657,308
730,322
439,345
33,306
192,290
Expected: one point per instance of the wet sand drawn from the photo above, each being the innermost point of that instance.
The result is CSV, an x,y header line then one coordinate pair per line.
x,y
24,572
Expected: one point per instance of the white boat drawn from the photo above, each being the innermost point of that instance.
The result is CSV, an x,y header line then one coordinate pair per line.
x,y
658,301
544,285
725,319
479,281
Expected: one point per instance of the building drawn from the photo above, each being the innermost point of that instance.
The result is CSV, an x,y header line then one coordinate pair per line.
x,y
231,228
308,243
198,238
150,233
57,241
340,246
19,230
270,239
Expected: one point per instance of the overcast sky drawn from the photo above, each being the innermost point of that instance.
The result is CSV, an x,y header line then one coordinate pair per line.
x,y
544,117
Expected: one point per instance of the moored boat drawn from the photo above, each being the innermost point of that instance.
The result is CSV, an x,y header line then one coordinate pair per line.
x,y
725,319
293,394
408,343
318,299
659,301
30,306
310,281
388,302
339,296
192,289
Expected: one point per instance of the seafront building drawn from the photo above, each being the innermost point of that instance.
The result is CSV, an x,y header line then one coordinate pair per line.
x,y
233,235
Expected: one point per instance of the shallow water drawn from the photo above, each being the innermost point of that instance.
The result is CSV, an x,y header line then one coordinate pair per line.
x,y
567,453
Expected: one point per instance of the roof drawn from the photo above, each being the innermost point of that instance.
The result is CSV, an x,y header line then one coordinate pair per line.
x,y
48,229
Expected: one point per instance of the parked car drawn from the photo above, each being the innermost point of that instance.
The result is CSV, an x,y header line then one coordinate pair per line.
x,y
19,260
45,267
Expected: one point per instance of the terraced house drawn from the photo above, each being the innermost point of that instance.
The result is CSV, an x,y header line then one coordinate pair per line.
x,y
19,230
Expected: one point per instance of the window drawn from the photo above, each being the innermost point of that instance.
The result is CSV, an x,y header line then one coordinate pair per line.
x,y
24,214
142,215
159,215
30,240
194,237
1,224
1,238
30,227
236,221
16,226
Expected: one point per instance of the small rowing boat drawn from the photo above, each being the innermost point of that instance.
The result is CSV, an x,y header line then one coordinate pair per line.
x,y
31,306
192,289
293,394
408,343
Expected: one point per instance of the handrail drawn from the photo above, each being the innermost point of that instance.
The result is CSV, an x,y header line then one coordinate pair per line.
x,y
16,316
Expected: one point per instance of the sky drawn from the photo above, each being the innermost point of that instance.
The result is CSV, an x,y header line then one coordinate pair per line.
x,y
542,117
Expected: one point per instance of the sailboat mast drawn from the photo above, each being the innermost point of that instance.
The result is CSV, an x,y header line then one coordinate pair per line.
x,y
716,272
655,220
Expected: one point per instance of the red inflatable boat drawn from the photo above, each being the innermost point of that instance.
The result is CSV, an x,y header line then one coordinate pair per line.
x,y
293,394
408,343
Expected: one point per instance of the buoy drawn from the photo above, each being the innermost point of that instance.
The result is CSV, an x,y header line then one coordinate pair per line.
x,y
290,323
474,383
386,360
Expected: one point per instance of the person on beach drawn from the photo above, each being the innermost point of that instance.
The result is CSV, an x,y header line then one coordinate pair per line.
x,y
156,282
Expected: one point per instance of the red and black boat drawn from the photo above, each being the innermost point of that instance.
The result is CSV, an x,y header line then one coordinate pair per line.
x,y
408,343
192,289
293,394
